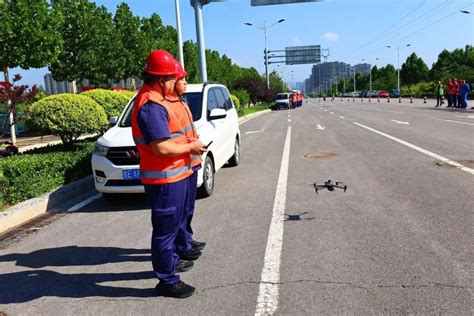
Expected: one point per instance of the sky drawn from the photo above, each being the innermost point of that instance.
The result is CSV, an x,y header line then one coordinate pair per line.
x,y
352,30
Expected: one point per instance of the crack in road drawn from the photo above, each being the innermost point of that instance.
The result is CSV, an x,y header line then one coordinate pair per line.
x,y
368,289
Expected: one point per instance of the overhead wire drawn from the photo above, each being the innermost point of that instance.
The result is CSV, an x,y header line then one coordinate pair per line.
x,y
394,24
419,17
445,17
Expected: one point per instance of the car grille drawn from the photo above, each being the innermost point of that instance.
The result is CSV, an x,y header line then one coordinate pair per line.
x,y
123,156
121,183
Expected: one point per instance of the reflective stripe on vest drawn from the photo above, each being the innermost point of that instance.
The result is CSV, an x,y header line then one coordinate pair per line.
x,y
164,174
181,132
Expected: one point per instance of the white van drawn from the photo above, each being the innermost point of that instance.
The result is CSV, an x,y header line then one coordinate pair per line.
x,y
282,101
115,161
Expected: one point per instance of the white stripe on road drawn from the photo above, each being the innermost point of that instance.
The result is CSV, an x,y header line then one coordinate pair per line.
x,y
341,116
267,301
84,203
400,122
459,122
421,150
332,113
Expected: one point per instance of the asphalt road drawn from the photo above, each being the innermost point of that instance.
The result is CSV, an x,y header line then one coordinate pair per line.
x,y
398,241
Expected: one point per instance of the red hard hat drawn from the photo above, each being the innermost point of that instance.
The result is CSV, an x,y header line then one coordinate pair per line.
x,y
160,63
181,72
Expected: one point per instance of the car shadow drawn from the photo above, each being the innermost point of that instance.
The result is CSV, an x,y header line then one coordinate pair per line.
x,y
117,202
24,286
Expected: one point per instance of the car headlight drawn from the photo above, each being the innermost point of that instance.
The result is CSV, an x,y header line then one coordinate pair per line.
x,y
100,150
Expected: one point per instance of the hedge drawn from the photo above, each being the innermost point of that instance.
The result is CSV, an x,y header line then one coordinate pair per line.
x,y
67,116
113,102
31,174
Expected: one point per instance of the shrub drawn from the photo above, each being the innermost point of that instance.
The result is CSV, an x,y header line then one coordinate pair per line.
x,y
419,90
31,174
113,102
67,116
243,97
237,105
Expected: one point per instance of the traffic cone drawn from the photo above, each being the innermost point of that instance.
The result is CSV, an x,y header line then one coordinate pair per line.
x,y
378,99
399,99
388,99
411,99
424,99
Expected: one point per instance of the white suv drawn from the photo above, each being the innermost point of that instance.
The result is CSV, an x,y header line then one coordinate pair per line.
x,y
115,161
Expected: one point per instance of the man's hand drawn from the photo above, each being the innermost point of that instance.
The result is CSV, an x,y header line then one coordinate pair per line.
x,y
197,147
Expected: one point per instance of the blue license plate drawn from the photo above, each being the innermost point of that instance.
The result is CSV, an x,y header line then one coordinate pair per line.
x,y
131,174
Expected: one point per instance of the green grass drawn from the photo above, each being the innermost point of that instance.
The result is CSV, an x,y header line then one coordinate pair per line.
x,y
256,108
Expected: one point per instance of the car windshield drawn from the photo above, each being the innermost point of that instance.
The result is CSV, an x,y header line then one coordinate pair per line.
x,y
194,100
282,96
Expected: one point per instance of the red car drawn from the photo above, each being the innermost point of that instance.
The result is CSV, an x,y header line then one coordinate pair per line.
x,y
383,94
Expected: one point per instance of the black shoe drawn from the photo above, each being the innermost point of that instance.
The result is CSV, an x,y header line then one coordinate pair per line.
x,y
190,255
184,266
198,245
177,290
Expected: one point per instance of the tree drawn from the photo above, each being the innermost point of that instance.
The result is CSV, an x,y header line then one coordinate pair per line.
x,y
13,95
459,63
190,55
414,70
92,49
29,39
134,51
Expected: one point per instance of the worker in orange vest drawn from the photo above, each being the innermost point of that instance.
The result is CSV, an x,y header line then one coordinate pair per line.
x,y
166,152
186,247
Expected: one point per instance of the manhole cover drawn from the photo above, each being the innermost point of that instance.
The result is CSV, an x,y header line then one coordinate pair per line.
x,y
321,155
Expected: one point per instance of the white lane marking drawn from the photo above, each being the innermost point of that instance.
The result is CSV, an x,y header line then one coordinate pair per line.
x,y
341,116
289,120
466,116
252,132
421,150
84,203
325,110
267,301
400,122
322,128
459,122
332,113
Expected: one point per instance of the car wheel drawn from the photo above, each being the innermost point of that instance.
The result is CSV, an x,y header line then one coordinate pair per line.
x,y
234,161
207,186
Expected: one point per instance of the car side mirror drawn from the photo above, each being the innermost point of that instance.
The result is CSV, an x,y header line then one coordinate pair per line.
x,y
217,114
113,121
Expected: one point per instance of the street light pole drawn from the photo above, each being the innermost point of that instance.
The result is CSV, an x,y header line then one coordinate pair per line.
x,y
178,30
267,76
398,64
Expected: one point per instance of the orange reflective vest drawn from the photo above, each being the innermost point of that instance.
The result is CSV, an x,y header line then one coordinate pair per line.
x,y
157,169
195,159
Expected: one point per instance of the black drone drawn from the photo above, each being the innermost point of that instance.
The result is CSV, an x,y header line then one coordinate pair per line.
x,y
330,186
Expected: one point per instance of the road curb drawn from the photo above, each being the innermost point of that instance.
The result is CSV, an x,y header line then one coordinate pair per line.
x,y
29,209
250,116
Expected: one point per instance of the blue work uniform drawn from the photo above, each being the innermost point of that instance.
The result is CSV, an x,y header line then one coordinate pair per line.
x,y
172,234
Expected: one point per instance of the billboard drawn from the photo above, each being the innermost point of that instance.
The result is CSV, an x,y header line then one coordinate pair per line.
x,y
298,55
255,3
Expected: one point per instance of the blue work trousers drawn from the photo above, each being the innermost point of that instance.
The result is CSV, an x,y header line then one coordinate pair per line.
x,y
463,98
184,240
169,203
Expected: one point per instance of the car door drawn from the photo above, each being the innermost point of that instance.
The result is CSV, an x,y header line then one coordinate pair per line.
x,y
214,97
232,123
